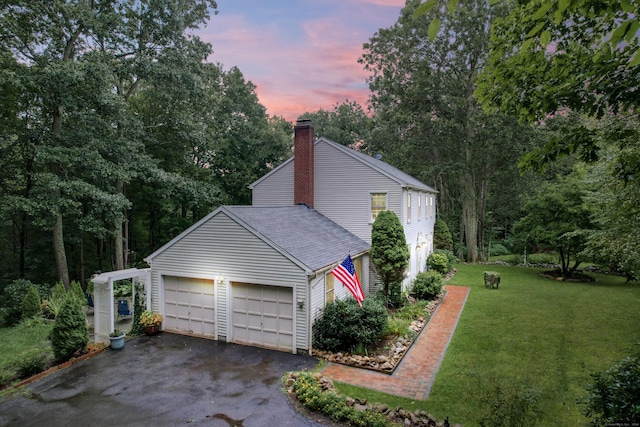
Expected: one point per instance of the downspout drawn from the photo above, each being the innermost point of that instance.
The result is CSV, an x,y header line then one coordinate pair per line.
x,y
309,325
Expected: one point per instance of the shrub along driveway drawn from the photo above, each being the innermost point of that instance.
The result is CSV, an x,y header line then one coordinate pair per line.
x,y
165,380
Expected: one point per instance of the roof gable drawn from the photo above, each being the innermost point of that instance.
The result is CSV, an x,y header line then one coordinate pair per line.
x,y
402,178
301,234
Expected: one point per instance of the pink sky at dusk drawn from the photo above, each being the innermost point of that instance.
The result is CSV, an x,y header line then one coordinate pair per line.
x,y
302,55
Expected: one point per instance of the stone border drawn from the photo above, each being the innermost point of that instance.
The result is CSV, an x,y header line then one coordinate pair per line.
x,y
387,362
56,368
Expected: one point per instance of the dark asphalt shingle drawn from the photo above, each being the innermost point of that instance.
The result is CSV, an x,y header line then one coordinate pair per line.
x,y
302,232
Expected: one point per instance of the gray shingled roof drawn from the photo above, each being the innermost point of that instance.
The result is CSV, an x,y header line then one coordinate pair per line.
x,y
302,232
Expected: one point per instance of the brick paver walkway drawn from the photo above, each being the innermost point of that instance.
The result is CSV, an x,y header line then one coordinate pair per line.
x,y
414,376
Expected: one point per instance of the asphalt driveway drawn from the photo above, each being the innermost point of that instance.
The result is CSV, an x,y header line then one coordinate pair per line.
x,y
164,380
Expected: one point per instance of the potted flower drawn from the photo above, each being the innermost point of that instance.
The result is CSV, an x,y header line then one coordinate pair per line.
x,y
117,339
150,321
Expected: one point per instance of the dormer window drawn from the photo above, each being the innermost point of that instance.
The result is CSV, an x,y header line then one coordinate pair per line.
x,y
408,206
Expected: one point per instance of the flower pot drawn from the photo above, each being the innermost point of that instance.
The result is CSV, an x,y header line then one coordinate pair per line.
x,y
151,329
117,343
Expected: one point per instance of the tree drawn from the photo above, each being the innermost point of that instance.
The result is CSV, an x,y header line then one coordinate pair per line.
x,y
84,63
346,123
427,122
389,250
557,218
549,57
613,244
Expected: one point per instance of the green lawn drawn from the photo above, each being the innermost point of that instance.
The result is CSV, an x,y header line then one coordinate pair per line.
x,y
20,343
536,332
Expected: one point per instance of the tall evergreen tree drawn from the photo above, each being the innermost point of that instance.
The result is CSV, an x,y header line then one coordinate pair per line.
x,y
389,251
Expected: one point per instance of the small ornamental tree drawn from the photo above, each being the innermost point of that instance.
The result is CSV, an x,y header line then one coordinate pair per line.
x,y
389,249
70,332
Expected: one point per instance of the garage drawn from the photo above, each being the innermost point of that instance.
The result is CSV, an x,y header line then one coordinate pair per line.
x,y
189,306
263,315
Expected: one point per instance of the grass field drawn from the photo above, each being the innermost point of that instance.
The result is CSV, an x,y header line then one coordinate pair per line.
x,y
535,332
22,342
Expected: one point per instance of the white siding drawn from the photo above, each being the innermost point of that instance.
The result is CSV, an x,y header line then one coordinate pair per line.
x,y
317,297
223,251
275,189
417,231
343,188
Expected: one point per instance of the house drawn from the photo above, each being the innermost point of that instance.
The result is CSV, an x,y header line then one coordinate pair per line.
x,y
350,188
261,274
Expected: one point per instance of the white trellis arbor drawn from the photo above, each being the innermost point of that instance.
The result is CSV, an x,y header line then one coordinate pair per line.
x,y
103,297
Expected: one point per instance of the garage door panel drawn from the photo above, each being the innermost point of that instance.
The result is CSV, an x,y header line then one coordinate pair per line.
x,y
263,315
189,306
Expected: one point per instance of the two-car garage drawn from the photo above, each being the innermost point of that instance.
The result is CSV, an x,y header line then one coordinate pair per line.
x,y
259,314
244,274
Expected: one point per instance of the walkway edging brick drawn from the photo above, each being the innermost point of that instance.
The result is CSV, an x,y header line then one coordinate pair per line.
x,y
414,376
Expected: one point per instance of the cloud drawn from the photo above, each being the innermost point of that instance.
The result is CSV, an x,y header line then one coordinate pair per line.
x,y
304,61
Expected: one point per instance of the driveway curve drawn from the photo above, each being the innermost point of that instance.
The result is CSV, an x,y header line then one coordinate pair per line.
x,y
164,380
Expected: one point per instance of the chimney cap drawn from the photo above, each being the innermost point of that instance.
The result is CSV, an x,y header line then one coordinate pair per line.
x,y
303,122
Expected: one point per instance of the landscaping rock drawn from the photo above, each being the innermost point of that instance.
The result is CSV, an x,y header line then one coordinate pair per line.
x,y
390,355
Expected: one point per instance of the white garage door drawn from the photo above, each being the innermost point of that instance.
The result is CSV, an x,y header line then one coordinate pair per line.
x,y
189,306
263,315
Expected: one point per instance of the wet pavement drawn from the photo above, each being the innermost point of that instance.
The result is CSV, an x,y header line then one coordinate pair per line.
x,y
164,380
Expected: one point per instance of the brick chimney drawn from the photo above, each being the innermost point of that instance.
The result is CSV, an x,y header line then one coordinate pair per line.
x,y
303,163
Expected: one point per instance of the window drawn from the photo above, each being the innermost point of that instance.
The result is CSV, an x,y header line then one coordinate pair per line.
x,y
433,208
329,293
378,204
419,205
408,206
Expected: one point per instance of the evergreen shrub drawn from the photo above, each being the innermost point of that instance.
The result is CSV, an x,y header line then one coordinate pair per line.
x,y
442,261
344,325
335,406
70,332
442,238
438,262
76,291
14,295
32,365
31,304
498,249
428,285
58,292
613,396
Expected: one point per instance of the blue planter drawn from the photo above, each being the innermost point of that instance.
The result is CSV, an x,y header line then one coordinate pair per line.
x,y
117,343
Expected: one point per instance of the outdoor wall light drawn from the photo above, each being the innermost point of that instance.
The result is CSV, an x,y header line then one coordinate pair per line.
x,y
301,304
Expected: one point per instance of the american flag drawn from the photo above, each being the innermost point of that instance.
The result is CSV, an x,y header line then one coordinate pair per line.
x,y
346,273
